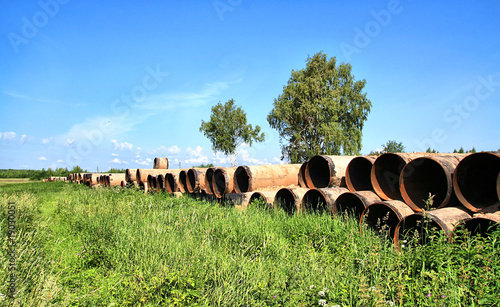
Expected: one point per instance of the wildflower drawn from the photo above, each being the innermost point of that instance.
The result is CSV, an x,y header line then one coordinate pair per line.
x,y
372,288
311,287
322,302
78,254
274,296
428,295
321,293
390,303
443,296
335,305
402,246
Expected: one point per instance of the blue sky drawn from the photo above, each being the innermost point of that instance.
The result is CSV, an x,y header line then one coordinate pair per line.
x,y
116,84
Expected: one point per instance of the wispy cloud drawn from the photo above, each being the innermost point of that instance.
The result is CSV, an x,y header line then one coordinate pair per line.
x,y
42,159
122,146
42,100
8,136
118,161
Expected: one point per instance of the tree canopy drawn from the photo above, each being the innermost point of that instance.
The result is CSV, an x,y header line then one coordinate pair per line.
x,y
228,128
322,110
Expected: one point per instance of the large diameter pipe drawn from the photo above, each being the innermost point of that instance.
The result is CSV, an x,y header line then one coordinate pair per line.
x,y
475,180
131,175
239,200
172,182
290,199
483,224
327,171
152,183
421,226
354,203
209,183
264,196
160,181
196,179
383,217
252,178
357,176
498,186
387,169
182,182
321,200
160,163
425,176
223,181
114,179
302,176
142,174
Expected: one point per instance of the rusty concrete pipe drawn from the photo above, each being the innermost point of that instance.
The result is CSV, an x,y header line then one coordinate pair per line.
x,y
302,176
383,217
265,196
290,199
357,176
114,179
327,171
426,176
160,163
195,179
321,200
131,175
354,203
142,173
160,181
172,182
123,184
209,183
253,178
152,183
475,180
483,224
419,226
223,181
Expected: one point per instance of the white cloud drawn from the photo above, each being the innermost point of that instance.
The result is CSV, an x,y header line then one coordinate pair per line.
x,y
46,140
8,136
69,142
42,159
114,155
118,161
60,161
49,101
122,146
174,149
195,156
23,139
142,162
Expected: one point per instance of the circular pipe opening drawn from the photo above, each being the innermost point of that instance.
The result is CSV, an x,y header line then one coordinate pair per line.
x,y
182,181
302,175
416,228
160,183
219,182
259,200
385,175
421,177
358,174
315,202
475,180
191,180
208,181
381,218
480,226
241,179
318,172
170,183
349,204
285,200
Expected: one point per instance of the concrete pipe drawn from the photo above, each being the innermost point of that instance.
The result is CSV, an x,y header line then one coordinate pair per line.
x,y
483,224
152,183
357,176
327,171
421,225
354,203
142,174
223,181
426,176
265,196
160,163
172,182
383,217
209,183
160,181
253,178
114,179
182,181
302,176
195,180
475,180
387,169
290,199
321,200
131,175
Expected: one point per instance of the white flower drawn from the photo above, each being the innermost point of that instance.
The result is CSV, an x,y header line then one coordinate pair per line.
x,y
335,305
321,293
322,302
390,303
311,287
402,246
372,288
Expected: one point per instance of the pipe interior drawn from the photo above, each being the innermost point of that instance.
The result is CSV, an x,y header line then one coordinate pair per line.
x,y
182,181
481,226
285,200
259,199
382,219
426,177
208,179
219,183
315,201
387,169
241,180
418,229
191,180
358,172
351,204
160,181
477,176
302,174
318,172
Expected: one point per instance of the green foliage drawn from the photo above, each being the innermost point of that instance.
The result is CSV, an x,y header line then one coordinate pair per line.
x,y
461,150
116,170
228,128
429,150
204,165
322,110
393,146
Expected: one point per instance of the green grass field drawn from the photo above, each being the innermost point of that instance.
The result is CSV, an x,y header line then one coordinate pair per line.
x,y
114,247
4,181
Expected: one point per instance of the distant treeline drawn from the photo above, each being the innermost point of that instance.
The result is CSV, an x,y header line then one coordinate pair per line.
x,y
41,174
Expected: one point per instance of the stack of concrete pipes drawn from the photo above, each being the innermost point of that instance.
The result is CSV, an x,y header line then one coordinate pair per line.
x,y
392,193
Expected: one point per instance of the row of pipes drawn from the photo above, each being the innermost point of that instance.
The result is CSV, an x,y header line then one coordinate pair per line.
x,y
395,193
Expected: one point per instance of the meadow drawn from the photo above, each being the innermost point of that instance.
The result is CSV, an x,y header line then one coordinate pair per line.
x,y
77,246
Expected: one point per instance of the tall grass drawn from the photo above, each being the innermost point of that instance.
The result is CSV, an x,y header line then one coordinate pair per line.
x,y
116,247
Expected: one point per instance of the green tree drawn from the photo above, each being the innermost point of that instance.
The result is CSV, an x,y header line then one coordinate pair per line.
x,y
461,150
322,110
393,146
228,128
